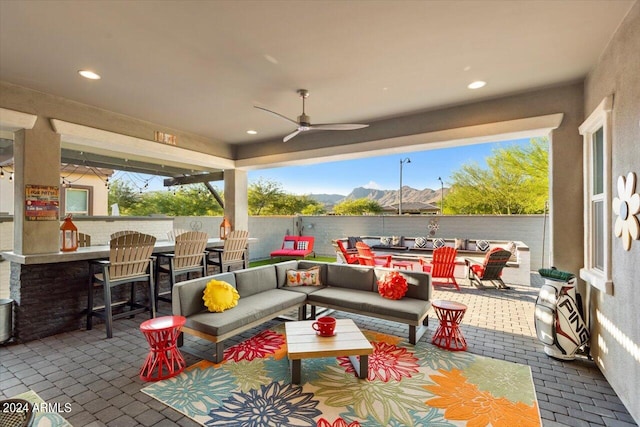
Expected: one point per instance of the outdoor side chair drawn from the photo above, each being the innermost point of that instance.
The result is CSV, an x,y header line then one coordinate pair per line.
x,y
84,240
233,253
189,256
367,257
130,261
491,268
442,265
346,256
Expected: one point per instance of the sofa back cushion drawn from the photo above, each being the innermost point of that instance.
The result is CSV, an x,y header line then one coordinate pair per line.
x,y
187,299
281,271
419,283
255,280
350,276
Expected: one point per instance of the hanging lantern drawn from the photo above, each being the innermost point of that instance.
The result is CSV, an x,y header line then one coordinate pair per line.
x,y
225,228
68,235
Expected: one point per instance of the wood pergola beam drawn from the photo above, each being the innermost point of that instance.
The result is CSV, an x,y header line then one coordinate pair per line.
x,y
194,179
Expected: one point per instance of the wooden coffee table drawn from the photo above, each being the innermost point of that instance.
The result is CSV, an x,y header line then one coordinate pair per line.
x,y
304,343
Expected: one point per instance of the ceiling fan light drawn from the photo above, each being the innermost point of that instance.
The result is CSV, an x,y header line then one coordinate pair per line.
x,y
88,74
477,84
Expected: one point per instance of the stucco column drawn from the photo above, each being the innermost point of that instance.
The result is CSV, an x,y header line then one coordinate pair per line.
x,y
37,162
566,193
236,204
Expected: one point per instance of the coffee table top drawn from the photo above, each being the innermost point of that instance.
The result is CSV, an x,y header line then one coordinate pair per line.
x,y
304,343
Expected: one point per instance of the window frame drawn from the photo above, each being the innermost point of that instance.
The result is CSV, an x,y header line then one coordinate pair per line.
x,y
600,118
89,190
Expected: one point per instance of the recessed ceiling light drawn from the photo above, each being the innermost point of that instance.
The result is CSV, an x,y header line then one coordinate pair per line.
x,y
477,84
87,74
252,132
270,58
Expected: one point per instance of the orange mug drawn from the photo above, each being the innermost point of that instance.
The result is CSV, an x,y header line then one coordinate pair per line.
x,y
326,326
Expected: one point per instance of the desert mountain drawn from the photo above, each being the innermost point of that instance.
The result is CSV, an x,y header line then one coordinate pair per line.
x,y
384,197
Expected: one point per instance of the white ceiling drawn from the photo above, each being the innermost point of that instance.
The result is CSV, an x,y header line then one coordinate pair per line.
x,y
201,66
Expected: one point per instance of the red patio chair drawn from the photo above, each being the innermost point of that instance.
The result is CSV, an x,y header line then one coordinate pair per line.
x,y
367,257
490,269
347,256
442,265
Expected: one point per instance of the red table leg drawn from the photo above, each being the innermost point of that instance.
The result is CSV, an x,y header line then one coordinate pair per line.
x,y
164,359
448,335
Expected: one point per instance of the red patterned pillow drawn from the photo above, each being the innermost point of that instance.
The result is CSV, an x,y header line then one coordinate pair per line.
x,y
392,285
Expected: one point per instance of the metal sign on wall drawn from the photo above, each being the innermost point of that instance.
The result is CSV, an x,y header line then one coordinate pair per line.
x,y
42,203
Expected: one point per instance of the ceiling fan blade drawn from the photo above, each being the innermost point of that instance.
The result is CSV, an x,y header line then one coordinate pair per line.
x,y
338,126
291,135
277,114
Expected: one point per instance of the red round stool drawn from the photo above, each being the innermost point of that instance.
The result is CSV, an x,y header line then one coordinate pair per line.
x,y
162,334
448,335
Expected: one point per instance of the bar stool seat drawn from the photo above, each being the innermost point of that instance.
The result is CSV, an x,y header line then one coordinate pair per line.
x,y
448,335
164,359
130,262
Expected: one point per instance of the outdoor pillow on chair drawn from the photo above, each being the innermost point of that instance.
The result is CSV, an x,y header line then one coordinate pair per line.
x,y
220,296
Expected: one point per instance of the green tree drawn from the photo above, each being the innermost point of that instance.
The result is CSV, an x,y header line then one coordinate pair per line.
x,y
357,207
291,204
121,193
262,195
515,182
188,200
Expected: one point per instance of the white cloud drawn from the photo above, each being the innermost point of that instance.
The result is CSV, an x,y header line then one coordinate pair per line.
x,y
372,185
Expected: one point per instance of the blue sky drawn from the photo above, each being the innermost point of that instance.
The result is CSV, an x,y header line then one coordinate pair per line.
x,y
381,172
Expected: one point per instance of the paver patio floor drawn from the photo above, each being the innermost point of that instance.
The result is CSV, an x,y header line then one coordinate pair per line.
x,y
99,377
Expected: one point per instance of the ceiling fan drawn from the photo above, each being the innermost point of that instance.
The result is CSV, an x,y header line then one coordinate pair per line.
x,y
304,122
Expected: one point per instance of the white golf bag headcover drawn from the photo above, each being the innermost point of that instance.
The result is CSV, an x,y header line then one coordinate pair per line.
x,y
558,319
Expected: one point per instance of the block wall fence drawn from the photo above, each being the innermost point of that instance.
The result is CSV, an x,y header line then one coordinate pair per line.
x,y
269,230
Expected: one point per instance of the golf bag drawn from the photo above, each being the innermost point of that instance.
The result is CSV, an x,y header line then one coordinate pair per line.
x,y
558,315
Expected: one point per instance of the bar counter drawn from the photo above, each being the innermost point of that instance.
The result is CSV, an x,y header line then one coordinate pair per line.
x,y
95,252
50,290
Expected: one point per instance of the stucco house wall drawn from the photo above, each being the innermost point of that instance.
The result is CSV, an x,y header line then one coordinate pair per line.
x,y
616,318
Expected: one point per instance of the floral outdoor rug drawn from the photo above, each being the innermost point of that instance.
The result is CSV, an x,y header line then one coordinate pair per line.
x,y
407,385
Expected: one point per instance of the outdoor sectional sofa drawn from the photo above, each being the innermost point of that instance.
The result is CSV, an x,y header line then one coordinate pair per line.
x,y
264,296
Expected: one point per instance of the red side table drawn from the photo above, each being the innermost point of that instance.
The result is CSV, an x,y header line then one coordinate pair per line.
x,y
448,335
407,265
164,357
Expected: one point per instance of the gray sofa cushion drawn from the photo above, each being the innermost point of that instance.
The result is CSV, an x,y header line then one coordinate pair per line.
x,y
256,280
187,296
249,309
366,302
350,276
281,271
303,289
419,284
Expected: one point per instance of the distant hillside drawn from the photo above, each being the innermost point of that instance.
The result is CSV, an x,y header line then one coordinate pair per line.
x,y
384,197
327,199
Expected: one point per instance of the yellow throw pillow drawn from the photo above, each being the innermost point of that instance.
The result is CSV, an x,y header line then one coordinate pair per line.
x,y
310,277
220,296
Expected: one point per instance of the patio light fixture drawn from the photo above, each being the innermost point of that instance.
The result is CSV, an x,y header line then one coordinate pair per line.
x,y
406,160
